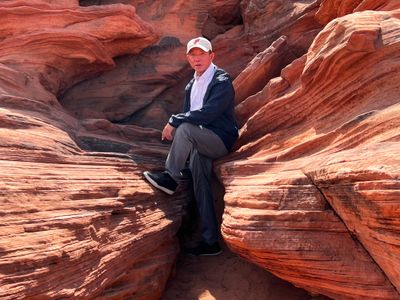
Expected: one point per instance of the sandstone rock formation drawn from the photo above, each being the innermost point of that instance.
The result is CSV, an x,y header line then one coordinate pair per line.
x,y
311,190
74,224
152,82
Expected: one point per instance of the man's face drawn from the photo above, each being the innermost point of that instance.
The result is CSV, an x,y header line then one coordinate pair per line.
x,y
199,60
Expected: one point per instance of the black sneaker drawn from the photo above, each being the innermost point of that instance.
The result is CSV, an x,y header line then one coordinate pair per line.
x,y
186,174
162,180
204,249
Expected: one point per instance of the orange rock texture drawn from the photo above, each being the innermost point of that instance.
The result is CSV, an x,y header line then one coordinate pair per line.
x,y
75,224
311,188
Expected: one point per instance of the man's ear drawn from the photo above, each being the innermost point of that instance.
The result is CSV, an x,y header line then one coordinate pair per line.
x,y
212,55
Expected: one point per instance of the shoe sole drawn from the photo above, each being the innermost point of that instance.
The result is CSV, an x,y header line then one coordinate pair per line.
x,y
155,184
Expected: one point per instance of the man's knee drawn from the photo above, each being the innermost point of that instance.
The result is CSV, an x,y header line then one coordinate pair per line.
x,y
184,130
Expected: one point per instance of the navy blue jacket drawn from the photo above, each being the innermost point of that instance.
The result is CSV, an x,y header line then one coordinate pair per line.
x,y
217,113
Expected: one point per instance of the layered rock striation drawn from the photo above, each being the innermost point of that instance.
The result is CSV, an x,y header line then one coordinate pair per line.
x,y
312,189
145,89
75,223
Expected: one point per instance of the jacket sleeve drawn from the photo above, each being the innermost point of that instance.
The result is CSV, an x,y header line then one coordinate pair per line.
x,y
220,97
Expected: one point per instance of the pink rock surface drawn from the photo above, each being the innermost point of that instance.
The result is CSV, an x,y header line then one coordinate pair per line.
x,y
145,89
74,223
312,188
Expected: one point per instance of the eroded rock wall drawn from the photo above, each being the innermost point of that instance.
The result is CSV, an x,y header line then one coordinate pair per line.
x,y
145,89
312,188
74,223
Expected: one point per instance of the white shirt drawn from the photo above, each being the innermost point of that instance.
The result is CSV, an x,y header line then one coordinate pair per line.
x,y
199,87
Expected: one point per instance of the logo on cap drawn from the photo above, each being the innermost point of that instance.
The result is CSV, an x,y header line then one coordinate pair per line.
x,y
199,42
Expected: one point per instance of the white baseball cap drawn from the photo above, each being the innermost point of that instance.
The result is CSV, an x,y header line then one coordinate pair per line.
x,y
199,42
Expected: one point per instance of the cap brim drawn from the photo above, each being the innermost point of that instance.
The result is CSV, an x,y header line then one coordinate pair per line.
x,y
198,46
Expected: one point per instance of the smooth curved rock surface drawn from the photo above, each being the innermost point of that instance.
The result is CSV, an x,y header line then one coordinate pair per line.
x,y
145,89
75,223
312,188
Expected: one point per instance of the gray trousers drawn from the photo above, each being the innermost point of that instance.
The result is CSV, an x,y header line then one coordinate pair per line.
x,y
201,146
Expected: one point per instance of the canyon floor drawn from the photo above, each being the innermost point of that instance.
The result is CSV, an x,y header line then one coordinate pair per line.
x,y
227,276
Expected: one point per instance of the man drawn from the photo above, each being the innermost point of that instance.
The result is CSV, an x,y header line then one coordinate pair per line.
x,y
205,130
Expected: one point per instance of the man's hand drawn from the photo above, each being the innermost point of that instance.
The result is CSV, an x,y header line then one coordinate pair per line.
x,y
168,132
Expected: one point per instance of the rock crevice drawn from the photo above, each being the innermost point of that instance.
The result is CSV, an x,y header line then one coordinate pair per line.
x,y
311,188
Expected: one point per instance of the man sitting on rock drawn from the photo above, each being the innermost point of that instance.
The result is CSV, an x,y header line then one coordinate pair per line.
x,y
205,130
